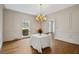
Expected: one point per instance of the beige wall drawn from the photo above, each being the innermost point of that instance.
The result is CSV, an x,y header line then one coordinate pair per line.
x,y
67,21
67,24
13,24
1,24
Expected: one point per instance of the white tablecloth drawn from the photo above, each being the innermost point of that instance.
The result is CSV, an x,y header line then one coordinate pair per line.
x,y
40,41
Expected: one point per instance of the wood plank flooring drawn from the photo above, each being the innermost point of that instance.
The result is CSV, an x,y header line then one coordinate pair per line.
x,y
23,47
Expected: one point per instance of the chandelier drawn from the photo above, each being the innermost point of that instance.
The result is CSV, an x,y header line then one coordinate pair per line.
x,y
41,17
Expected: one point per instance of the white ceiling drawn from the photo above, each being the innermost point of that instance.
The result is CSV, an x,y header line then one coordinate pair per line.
x,y
34,9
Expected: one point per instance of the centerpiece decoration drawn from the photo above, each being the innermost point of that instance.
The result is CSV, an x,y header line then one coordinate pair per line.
x,y
40,31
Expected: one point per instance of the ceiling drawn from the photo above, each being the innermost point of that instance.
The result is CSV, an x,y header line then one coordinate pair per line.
x,y
34,9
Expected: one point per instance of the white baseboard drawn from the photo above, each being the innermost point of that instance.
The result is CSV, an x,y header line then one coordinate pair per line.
x,y
68,40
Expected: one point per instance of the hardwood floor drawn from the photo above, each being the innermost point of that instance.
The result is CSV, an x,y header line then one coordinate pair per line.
x,y
17,47
23,47
61,47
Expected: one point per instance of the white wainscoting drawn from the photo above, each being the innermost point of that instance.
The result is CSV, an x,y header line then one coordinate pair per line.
x,y
67,36
0,39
